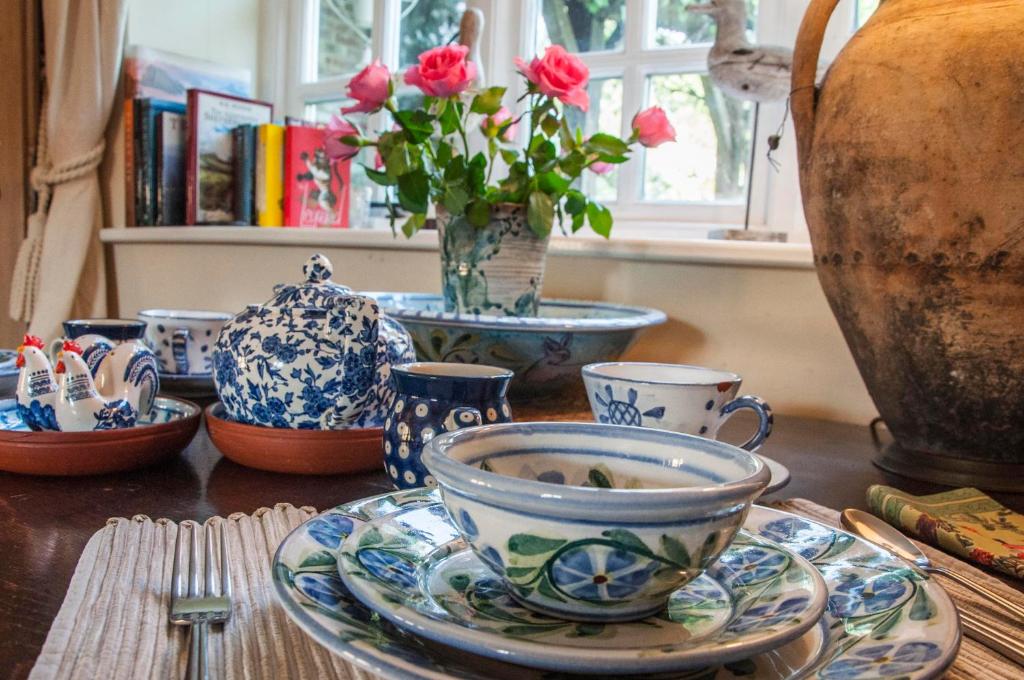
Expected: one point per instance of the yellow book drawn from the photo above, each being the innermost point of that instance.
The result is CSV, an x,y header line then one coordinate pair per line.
x,y
269,175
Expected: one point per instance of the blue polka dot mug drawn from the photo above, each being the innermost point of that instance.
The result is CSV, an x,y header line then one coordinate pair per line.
x,y
183,339
687,399
432,398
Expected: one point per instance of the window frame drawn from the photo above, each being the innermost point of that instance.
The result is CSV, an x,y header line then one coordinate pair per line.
x,y
289,27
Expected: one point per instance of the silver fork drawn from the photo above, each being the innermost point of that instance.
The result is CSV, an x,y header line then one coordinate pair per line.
x,y
204,602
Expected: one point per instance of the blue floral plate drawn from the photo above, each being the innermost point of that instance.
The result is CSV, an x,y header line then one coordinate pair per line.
x,y
413,569
881,619
546,352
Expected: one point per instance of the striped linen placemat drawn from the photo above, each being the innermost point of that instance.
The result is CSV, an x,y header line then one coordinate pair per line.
x,y
113,622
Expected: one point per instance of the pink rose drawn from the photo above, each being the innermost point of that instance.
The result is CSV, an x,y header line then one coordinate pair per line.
x,y
601,168
336,129
442,71
494,121
560,75
378,161
370,88
652,128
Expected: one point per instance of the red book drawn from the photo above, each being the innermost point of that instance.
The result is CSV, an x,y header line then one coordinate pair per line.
x,y
316,189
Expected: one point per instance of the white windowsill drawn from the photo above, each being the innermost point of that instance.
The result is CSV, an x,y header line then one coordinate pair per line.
x,y
624,247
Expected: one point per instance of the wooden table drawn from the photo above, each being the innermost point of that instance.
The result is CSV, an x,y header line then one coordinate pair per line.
x,y
45,523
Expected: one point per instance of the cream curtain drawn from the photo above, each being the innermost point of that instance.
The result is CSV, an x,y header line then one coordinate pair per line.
x,y
59,273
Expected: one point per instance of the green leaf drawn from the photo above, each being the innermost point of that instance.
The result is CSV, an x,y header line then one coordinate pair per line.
x,y
443,154
599,479
477,174
552,183
488,102
413,191
518,572
577,222
455,170
879,631
573,163
417,124
510,156
628,539
528,544
587,629
414,224
321,558
459,582
397,161
923,608
449,120
607,144
542,150
540,213
478,213
549,125
379,177
675,551
455,199
575,202
600,219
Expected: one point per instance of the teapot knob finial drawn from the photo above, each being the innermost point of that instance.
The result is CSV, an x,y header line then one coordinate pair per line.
x,y
317,268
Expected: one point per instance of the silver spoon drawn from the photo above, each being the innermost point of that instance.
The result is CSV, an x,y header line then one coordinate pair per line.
x,y
877,531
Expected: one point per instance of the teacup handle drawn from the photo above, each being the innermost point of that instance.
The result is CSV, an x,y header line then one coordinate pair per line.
x,y
764,418
462,416
55,347
179,350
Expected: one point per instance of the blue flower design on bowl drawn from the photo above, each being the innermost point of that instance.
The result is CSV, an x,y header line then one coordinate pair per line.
x,y
812,540
861,593
881,661
389,567
752,564
770,614
323,588
468,526
330,530
599,573
492,558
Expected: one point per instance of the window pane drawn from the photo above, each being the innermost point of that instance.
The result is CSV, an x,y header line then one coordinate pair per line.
x,y
865,8
345,32
676,27
711,158
426,24
582,25
605,115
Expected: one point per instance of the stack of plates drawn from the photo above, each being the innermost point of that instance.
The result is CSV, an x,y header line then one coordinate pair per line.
x,y
387,583
8,372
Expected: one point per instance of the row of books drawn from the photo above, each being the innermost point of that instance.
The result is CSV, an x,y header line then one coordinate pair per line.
x,y
199,150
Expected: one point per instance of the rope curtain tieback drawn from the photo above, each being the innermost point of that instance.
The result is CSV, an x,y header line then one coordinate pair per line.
x,y
43,178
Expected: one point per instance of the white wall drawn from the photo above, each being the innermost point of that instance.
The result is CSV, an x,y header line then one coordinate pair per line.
x,y
224,31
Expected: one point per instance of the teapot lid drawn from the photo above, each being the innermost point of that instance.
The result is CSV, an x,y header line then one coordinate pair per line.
x,y
316,291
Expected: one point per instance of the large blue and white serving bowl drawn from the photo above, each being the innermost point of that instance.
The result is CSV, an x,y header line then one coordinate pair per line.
x,y
546,352
593,522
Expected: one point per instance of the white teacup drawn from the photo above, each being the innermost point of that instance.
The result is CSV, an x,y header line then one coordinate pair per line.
x,y
183,339
687,399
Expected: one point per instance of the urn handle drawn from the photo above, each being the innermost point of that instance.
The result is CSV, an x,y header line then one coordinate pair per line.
x,y
803,95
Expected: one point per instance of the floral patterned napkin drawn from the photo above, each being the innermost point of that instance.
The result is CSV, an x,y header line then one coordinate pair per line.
x,y
964,522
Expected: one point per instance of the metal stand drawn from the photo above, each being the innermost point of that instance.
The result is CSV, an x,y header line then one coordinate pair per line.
x,y
949,471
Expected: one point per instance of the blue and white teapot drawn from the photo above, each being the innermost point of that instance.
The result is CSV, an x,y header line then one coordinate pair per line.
x,y
315,356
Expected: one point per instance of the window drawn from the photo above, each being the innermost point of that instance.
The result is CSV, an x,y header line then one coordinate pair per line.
x,y
640,52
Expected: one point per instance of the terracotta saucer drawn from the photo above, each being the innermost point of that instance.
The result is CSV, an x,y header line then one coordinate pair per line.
x,y
302,452
174,424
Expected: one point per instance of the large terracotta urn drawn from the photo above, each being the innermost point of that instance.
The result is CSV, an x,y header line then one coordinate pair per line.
x,y
912,172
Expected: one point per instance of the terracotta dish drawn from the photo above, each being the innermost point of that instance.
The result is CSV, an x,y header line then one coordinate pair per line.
x,y
174,424
303,452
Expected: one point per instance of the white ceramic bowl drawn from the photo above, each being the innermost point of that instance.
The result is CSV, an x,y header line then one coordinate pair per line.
x,y
589,521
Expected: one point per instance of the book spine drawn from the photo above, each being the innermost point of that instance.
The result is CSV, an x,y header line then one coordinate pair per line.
x,y
147,159
129,163
140,113
269,175
290,187
159,196
242,167
191,171
250,150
